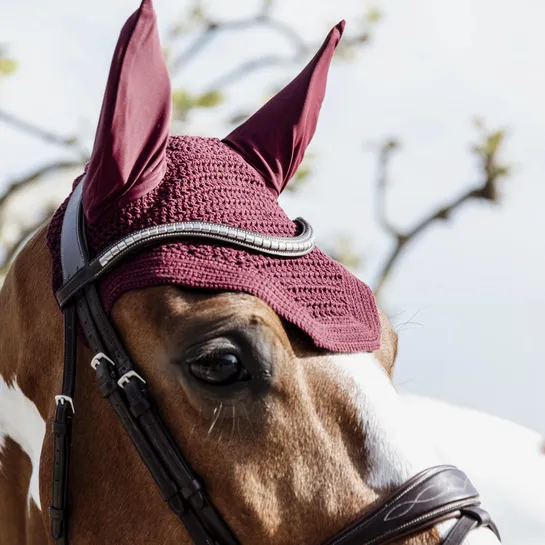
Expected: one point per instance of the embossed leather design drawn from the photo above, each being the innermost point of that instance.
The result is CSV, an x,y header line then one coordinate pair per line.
x,y
437,494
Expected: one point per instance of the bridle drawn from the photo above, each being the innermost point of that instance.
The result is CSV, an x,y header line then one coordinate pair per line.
x,y
434,495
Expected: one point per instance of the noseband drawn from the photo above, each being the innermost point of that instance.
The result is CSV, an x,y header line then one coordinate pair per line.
x,y
435,495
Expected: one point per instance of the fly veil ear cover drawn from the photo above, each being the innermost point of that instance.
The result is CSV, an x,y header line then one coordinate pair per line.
x,y
275,138
139,177
128,158
129,153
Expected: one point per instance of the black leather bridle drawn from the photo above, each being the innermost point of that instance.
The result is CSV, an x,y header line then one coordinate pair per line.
x,y
434,495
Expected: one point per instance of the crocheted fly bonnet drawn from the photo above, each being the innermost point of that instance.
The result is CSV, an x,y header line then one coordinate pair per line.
x,y
138,176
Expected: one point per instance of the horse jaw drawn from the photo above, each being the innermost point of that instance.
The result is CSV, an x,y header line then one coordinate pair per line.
x,y
397,446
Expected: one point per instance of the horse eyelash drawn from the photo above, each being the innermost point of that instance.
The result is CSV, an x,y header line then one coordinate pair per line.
x,y
203,352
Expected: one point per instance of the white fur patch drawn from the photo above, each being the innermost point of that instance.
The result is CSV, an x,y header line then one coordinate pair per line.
x,y
397,443
396,448
21,421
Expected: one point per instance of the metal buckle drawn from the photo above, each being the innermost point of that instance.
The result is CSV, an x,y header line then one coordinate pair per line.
x,y
95,362
125,378
62,398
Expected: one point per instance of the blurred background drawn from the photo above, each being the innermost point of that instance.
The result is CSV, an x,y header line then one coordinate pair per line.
x,y
425,176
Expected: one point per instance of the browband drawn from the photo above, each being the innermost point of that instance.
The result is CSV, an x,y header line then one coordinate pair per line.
x,y
76,276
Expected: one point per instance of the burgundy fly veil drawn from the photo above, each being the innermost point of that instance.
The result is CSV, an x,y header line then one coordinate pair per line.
x,y
139,176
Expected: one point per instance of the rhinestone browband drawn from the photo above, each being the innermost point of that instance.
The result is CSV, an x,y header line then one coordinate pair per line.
x,y
297,246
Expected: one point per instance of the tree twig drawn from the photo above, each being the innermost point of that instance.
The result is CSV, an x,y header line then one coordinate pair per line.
x,y
248,67
402,239
33,176
212,28
191,52
487,190
385,154
69,142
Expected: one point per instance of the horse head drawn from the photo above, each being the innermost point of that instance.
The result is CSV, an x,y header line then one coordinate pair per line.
x,y
270,368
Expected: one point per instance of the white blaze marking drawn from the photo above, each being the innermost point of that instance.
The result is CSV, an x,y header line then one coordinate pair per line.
x,y
397,444
21,421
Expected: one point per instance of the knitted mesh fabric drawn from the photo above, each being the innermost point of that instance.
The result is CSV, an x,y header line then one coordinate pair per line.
x,y
207,181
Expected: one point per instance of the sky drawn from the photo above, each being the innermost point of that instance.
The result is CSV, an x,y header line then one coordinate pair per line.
x,y
473,286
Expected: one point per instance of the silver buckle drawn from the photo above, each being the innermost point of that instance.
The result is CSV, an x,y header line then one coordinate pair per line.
x,y
60,399
125,378
95,362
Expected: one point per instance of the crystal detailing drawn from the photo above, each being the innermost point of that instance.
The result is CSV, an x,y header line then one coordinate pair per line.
x,y
297,246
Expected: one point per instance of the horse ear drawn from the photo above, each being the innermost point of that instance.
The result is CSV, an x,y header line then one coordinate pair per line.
x,y
129,153
275,138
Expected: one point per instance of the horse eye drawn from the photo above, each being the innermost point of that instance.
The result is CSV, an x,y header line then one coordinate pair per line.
x,y
219,369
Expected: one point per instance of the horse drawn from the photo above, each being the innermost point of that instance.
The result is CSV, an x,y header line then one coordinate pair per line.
x,y
245,379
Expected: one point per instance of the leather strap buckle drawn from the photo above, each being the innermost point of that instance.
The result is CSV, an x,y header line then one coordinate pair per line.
x,y
95,362
62,399
127,376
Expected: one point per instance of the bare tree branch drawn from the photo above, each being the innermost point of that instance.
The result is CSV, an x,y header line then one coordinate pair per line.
x,y
261,19
191,52
248,67
186,101
70,142
385,153
267,61
487,190
402,239
291,34
17,185
212,28
33,176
